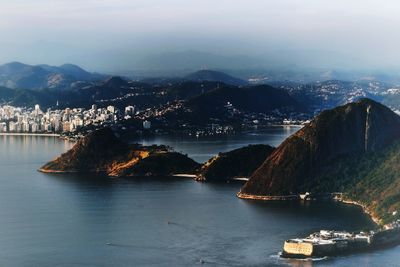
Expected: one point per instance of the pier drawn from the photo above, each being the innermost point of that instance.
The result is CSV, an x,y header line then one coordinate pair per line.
x,y
185,175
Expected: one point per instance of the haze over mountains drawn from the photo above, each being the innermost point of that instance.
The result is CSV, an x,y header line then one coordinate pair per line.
x,y
71,86
273,32
214,76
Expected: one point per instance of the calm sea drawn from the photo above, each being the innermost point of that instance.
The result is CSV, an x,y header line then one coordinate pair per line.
x,y
70,220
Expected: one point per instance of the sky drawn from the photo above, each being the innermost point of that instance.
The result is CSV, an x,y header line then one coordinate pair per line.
x,y
116,35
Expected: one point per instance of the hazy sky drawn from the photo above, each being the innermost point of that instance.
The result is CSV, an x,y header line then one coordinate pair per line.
x,y
118,35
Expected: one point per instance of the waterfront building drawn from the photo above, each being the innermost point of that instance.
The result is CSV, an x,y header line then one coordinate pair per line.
x,y
66,127
3,127
146,125
14,119
111,109
35,127
130,110
11,126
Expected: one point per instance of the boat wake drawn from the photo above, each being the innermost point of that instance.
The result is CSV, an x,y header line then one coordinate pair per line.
x,y
279,256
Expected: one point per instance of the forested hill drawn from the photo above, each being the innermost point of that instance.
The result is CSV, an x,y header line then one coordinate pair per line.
x,y
351,149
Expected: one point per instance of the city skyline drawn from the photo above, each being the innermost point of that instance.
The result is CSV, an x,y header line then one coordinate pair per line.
x,y
34,120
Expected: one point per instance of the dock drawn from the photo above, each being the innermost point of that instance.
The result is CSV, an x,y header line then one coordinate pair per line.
x,y
241,179
185,175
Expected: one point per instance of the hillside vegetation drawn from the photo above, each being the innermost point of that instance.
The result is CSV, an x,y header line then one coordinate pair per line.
x,y
351,149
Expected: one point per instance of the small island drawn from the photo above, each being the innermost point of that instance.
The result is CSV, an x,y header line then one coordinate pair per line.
x,y
102,152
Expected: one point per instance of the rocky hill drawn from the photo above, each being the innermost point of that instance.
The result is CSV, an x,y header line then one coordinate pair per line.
x,y
241,162
102,152
341,150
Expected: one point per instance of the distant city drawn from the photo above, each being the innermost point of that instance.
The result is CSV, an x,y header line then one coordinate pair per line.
x,y
35,120
71,121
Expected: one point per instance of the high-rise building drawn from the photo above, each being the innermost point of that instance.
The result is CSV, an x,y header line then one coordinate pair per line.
x,y
11,126
129,110
35,127
67,126
111,109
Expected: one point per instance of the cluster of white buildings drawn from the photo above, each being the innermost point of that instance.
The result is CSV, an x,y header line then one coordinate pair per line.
x,y
22,120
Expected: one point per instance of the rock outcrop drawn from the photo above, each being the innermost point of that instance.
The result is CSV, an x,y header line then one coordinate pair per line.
x,y
241,162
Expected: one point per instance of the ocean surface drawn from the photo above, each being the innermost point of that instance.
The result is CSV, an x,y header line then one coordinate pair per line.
x,y
71,220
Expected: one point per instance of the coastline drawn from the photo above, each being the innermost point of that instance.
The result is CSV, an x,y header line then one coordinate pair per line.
x,y
266,198
55,171
74,139
31,134
179,175
374,218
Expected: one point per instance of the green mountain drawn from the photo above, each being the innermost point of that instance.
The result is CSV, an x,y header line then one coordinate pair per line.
x,y
350,149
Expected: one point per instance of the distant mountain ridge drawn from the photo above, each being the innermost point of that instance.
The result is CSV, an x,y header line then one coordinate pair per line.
x,y
23,76
261,98
214,76
78,94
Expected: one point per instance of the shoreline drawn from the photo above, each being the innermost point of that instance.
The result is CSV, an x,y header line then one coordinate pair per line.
x,y
55,171
31,134
179,175
74,139
375,219
184,175
267,198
